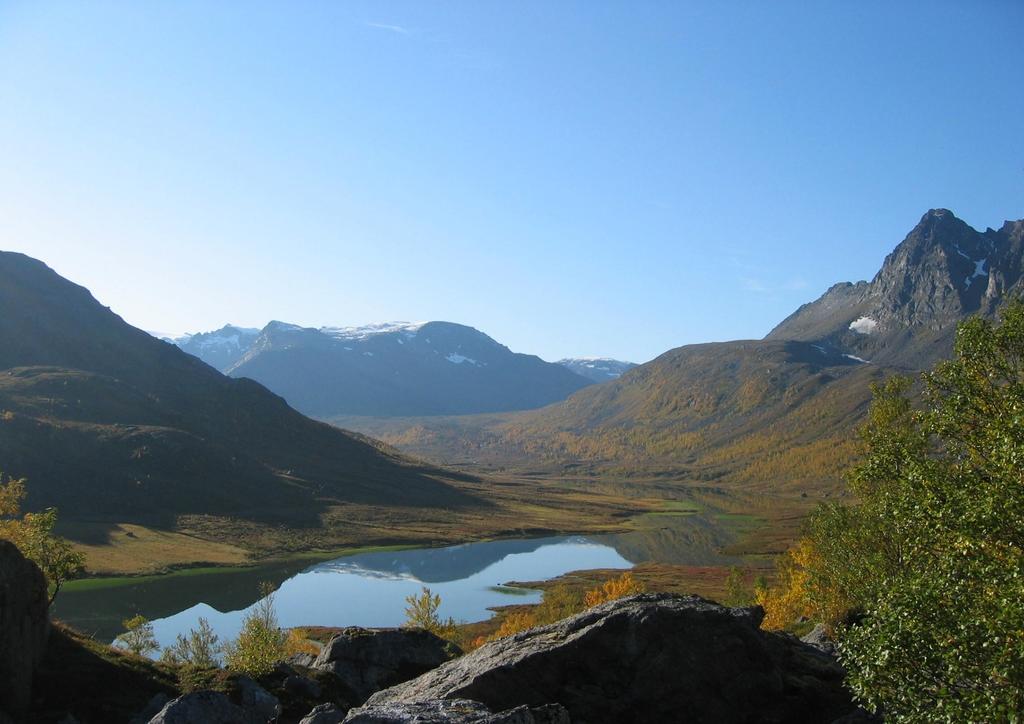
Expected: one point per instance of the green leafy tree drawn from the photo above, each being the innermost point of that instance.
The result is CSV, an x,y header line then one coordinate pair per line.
x,y
737,592
931,560
201,648
422,612
261,642
138,636
34,536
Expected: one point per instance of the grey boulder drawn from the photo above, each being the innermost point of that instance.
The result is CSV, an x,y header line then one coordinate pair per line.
x,y
24,627
454,711
819,639
201,707
368,660
647,658
324,714
259,705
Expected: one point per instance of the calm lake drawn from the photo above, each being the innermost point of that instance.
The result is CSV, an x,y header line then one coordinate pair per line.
x,y
369,589
365,589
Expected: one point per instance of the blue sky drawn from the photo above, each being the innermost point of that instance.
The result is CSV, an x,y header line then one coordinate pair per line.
x,y
590,178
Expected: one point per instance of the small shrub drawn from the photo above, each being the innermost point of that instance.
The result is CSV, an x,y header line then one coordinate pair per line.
x,y
260,644
138,638
559,602
422,612
620,587
298,642
787,601
200,649
736,591
33,534
513,623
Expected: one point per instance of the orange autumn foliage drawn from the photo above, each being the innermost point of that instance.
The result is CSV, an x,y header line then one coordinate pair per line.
x,y
787,601
624,585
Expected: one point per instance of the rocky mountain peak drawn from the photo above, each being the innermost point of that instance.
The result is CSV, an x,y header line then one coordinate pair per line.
x,y
942,271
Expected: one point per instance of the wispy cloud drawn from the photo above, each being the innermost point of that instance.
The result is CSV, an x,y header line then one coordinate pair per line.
x,y
391,28
761,287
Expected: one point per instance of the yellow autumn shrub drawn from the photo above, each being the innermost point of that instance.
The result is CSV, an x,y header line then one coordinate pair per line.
x,y
787,600
513,623
624,585
298,642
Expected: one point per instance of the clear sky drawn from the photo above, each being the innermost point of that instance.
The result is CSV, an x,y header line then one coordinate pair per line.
x,y
573,178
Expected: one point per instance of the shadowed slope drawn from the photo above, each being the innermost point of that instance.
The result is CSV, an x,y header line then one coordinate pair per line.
x,y
109,422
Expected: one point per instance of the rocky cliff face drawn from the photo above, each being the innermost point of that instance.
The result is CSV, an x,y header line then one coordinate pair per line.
x,y
940,273
24,628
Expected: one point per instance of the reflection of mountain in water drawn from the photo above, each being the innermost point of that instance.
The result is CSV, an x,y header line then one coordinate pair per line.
x,y
99,611
435,565
692,540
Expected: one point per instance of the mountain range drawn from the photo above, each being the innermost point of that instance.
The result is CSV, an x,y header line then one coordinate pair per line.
x,y
766,415
597,369
392,369
109,423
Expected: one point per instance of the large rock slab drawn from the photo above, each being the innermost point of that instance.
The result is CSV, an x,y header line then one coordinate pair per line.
x,y
652,657
455,711
368,660
324,714
201,707
24,627
255,706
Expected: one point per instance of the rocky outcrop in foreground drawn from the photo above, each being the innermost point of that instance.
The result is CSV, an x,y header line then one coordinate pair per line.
x,y
652,657
456,711
647,658
368,660
24,628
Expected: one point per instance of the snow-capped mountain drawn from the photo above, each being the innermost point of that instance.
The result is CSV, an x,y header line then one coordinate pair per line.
x,y
598,369
390,369
220,349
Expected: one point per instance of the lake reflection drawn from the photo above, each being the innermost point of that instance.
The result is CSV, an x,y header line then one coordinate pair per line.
x,y
369,589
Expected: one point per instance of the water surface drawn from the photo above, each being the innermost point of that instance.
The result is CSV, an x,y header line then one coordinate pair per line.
x,y
367,589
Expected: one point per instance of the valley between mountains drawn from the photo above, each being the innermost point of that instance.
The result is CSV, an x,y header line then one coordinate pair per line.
x,y
237,445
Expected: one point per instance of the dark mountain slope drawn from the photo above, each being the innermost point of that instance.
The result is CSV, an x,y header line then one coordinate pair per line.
x,y
436,368
108,422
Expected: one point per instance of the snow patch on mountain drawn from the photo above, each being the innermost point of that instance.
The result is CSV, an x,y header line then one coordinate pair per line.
x,y
863,325
979,271
409,329
597,369
456,358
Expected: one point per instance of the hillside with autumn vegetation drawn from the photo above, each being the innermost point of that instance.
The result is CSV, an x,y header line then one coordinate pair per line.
x,y
761,415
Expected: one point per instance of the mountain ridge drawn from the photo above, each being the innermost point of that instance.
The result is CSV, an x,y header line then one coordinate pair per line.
x,y
389,369
941,272
108,422
772,415
598,369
